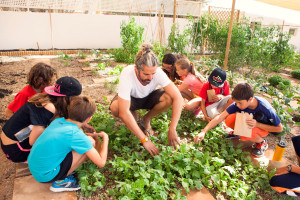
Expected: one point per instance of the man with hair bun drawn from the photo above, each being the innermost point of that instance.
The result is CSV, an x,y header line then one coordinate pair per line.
x,y
138,90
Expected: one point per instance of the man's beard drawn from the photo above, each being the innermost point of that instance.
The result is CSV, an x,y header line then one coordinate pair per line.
x,y
144,81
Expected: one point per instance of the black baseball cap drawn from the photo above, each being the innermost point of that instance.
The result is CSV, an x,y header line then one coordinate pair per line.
x,y
65,86
217,77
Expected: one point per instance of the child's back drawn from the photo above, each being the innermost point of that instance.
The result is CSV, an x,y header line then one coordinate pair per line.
x,y
40,76
63,147
58,139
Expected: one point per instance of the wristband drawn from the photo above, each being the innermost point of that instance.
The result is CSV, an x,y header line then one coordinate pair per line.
x,y
144,140
289,168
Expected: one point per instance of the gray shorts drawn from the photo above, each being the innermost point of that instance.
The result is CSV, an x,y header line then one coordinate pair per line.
x,y
217,107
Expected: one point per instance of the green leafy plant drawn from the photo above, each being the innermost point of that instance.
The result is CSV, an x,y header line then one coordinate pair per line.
x,y
86,64
215,163
132,38
296,73
177,42
81,55
63,56
66,63
275,80
159,50
276,68
101,66
116,71
97,53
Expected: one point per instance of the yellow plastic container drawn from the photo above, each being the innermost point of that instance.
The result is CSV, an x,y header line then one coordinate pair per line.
x,y
280,148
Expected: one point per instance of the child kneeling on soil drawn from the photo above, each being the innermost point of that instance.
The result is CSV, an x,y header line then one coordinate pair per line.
x,y
220,100
39,76
265,119
192,83
63,147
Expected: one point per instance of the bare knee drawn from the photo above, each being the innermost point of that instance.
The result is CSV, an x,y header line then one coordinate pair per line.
x,y
165,98
92,141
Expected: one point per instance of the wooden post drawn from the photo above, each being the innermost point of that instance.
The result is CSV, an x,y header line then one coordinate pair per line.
x,y
229,35
282,26
238,16
51,28
174,12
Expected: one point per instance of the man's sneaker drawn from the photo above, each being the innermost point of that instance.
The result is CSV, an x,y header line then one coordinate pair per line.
x,y
68,184
231,136
260,148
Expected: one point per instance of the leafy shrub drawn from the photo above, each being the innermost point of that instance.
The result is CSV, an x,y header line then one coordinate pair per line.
x,y
132,38
276,68
177,42
250,45
296,73
275,80
286,82
159,50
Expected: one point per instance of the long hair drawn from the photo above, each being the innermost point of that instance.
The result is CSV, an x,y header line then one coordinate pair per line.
x,y
145,57
60,103
184,63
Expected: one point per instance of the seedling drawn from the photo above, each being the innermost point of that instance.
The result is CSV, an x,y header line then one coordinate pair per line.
x,y
81,54
101,66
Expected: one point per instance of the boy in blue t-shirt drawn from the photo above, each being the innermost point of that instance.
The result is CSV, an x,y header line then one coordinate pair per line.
x,y
265,119
63,146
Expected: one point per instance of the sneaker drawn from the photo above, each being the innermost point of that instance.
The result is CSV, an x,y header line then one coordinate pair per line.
x,y
260,148
68,184
231,136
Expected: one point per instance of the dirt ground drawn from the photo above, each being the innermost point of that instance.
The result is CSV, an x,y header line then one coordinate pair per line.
x,y
13,79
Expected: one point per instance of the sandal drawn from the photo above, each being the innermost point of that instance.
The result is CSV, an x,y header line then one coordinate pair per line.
x,y
148,131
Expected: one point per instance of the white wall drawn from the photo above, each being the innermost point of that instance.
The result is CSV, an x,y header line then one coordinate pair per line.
x,y
22,30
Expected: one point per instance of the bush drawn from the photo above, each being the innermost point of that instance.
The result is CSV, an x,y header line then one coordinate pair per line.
x,y
275,80
286,82
296,73
276,68
132,38
282,86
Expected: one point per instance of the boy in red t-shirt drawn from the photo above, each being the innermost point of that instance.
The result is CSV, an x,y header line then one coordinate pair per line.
x,y
40,76
222,98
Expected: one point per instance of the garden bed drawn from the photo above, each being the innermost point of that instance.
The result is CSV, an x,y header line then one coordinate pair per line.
x,y
13,78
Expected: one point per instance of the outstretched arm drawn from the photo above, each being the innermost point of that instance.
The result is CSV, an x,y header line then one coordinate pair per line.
x,y
177,103
128,119
210,125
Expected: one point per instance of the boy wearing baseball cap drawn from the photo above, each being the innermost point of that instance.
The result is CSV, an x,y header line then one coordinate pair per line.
x,y
221,100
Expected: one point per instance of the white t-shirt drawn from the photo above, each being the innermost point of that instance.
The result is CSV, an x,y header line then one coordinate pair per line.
x,y
129,85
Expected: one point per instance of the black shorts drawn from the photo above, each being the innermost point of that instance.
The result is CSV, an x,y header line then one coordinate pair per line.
x,y
147,102
296,143
17,152
65,166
